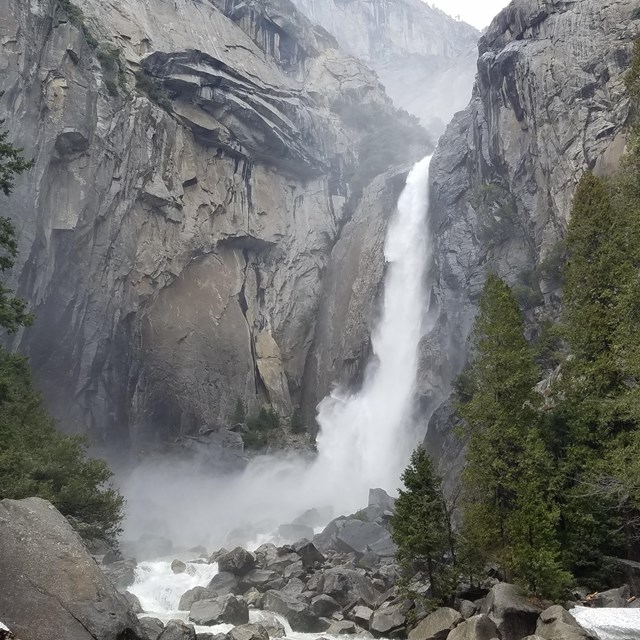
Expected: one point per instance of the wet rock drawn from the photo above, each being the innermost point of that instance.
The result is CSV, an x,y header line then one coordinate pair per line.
x,y
178,630
216,555
467,608
133,601
224,583
50,583
437,625
479,627
298,613
347,586
193,595
229,609
253,598
514,615
308,553
324,606
121,573
362,615
248,632
270,622
342,627
294,570
388,619
152,626
258,578
237,562
294,587
556,623
177,566
612,598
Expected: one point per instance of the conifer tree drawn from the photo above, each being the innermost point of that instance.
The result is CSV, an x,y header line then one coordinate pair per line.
x,y
421,525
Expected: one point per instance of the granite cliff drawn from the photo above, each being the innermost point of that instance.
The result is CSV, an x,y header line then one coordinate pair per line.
x,y
549,103
190,180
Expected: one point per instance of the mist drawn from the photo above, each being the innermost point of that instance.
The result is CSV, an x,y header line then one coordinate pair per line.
x,y
364,440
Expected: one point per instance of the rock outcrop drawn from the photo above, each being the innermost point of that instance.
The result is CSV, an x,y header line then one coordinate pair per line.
x,y
549,103
186,197
50,586
425,58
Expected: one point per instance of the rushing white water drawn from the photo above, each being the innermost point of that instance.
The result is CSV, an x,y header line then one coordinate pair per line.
x,y
365,438
610,624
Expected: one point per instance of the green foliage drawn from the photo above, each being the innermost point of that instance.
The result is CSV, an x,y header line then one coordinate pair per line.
x,y
508,513
497,211
239,414
421,527
259,427
154,90
35,459
76,18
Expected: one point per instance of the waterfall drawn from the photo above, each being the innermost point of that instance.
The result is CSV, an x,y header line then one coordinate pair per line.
x,y
365,437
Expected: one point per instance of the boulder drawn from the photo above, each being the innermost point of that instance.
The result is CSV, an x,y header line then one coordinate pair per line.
x,y
348,587
265,554
178,630
270,622
314,517
121,573
556,623
224,583
298,613
133,601
282,560
360,537
216,555
437,625
324,606
381,500
479,627
388,619
248,632
308,553
195,594
152,626
514,614
177,566
258,578
50,586
616,598
229,609
253,598
294,570
342,627
467,608
361,615
293,532
294,587
237,562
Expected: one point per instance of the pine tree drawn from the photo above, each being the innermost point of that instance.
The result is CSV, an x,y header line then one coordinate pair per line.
x,y
508,514
421,526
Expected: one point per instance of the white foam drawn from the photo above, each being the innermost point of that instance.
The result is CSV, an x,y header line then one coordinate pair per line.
x,y
609,624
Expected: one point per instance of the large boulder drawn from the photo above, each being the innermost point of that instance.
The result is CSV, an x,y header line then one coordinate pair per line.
x,y
248,632
178,630
324,606
258,578
437,625
615,598
153,627
229,609
224,583
50,586
121,573
556,623
237,562
308,553
298,613
514,614
479,627
348,587
388,620
269,620
195,594
359,536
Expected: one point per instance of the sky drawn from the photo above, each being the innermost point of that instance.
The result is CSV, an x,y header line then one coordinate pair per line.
x,y
479,13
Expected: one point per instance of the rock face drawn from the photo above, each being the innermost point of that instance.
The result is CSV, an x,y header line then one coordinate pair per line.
x,y
425,58
187,193
50,587
549,103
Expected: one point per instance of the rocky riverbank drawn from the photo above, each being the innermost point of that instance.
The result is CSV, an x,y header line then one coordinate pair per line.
x,y
342,582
